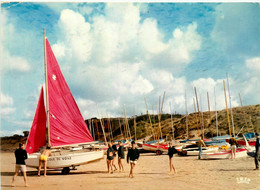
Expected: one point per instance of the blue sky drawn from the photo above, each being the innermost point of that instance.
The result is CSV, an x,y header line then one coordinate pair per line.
x,y
117,54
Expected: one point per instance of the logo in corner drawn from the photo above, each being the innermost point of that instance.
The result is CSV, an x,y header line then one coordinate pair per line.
x,y
243,180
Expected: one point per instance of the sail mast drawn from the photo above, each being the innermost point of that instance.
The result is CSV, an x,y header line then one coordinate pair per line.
x,y
186,113
151,125
232,120
210,127
198,107
227,107
46,88
202,118
134,124
171,121
216,111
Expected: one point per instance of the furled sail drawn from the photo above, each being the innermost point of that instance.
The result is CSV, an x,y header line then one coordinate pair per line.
x,y
37,136
66,123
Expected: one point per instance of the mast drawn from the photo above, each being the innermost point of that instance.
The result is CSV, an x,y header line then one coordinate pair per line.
x,y
151,125
230,107
244,114
210,127
93,127
197,105
227,107
171,122
46,88
196,116
90,127
110,127
202,118
216,110
134,124
186,112
120,127
127,125
102,125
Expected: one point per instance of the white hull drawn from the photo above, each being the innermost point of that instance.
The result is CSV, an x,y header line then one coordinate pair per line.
x,y
196,152
66,160
224,154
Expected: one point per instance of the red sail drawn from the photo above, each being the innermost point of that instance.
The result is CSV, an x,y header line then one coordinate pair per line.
x,y
37,136
66,123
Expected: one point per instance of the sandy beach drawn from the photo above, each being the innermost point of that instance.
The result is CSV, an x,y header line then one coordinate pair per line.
x,y
151,172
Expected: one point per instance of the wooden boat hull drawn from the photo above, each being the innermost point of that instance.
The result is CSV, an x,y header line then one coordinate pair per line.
x,y
66,160
224,154
154,148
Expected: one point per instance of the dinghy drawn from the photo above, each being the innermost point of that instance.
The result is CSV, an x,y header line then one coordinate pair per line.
x,y
224,154
159,149
67,132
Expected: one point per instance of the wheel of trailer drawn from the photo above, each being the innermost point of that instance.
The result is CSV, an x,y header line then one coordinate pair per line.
x,y
65,171
158,152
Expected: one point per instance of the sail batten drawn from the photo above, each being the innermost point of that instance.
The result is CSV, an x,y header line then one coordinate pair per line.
x,y
66,123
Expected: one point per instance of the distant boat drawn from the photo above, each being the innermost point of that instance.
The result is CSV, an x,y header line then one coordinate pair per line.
x,y
158,148
240,152
66,127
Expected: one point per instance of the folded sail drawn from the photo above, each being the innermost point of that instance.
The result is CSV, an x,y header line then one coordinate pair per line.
x,y
37,136
66,123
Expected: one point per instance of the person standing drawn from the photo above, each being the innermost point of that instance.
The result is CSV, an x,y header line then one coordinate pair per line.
x,y
121,155
233,143
200,145
109,158
43,160
171,151
133,156
257,151
114,154
20,156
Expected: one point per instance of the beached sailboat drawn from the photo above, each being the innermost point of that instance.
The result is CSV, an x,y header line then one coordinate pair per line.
x,y
66,127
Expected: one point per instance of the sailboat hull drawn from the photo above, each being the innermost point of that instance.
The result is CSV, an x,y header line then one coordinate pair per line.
x,y
66,160
240,153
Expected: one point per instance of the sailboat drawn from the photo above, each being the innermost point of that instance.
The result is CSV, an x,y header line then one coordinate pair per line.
x,y
66,127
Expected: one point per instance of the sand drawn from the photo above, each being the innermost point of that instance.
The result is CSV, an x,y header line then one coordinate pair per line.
x,y
151,172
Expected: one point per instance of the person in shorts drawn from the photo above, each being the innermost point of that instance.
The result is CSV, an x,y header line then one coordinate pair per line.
x,y
114,154
121,155
20,156
233,144
133,156
110,157
43,160
171,151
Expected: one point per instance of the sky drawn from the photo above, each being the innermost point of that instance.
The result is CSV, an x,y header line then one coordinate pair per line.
x,y
116,54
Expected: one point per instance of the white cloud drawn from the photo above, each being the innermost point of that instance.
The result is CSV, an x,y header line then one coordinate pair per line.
x,y
6,104
8,61
254,64
184,43
5,99
151,38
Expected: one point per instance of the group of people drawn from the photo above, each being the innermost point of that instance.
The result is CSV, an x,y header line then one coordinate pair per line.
x,y
132,157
